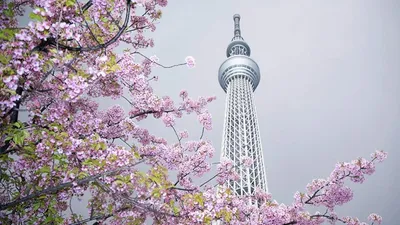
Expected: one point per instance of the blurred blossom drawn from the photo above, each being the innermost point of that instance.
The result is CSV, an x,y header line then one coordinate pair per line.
x,y
190,62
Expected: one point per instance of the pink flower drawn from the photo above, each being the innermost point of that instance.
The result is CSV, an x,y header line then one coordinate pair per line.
x,y
162,3
190,62
375,218
247,161
183,94
184,134
379,155
115,114
168,119
103,58
205,120
154,59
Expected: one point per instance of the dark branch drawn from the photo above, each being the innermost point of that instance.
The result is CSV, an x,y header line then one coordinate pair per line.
x,y
13,118
87,5
149,112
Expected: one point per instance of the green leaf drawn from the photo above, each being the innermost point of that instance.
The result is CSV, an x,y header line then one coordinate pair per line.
x,y
110,208
34,16
199,199
156,193
103,146
36,206
175,209
155,179
8,138
8,13
3,158
207,220
69,56
137,155
18,124
59,220
228,216
7,71
5,59
70,2
82,175
48,220
18,139
29,148
12,92
95,146
45,169
53,50
25,133
19,135
119,183
8,34
87,162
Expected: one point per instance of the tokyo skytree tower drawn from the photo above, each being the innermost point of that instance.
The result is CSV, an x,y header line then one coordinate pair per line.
x,y
239,76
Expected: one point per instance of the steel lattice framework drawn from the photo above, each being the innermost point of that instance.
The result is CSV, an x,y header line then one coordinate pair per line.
x,y
239,76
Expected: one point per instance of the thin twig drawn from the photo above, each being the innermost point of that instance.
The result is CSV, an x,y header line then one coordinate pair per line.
x,y
87,25
165,67
177,136
202,133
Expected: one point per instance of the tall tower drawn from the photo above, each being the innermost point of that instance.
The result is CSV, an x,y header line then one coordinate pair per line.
x,y
239,76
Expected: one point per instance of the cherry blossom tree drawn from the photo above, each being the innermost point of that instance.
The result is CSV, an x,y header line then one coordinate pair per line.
x,y
57,68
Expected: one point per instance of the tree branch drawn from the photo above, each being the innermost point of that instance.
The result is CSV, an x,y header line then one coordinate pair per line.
x,y
177,136
13,118
149,112
202,133
98,217
165,67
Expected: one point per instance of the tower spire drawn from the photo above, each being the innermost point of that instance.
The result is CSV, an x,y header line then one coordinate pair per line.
x,y
237,33
237,46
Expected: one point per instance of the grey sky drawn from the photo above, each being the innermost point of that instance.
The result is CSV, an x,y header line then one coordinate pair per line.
x,y
329,90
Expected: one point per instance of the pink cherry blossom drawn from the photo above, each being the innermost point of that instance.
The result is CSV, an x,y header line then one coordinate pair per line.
x,y
183,94
168,119
154,59
184,134
205,120
190,62
375,218
247,161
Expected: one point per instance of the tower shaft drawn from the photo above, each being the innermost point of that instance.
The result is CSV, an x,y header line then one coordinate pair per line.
x,y
241,138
